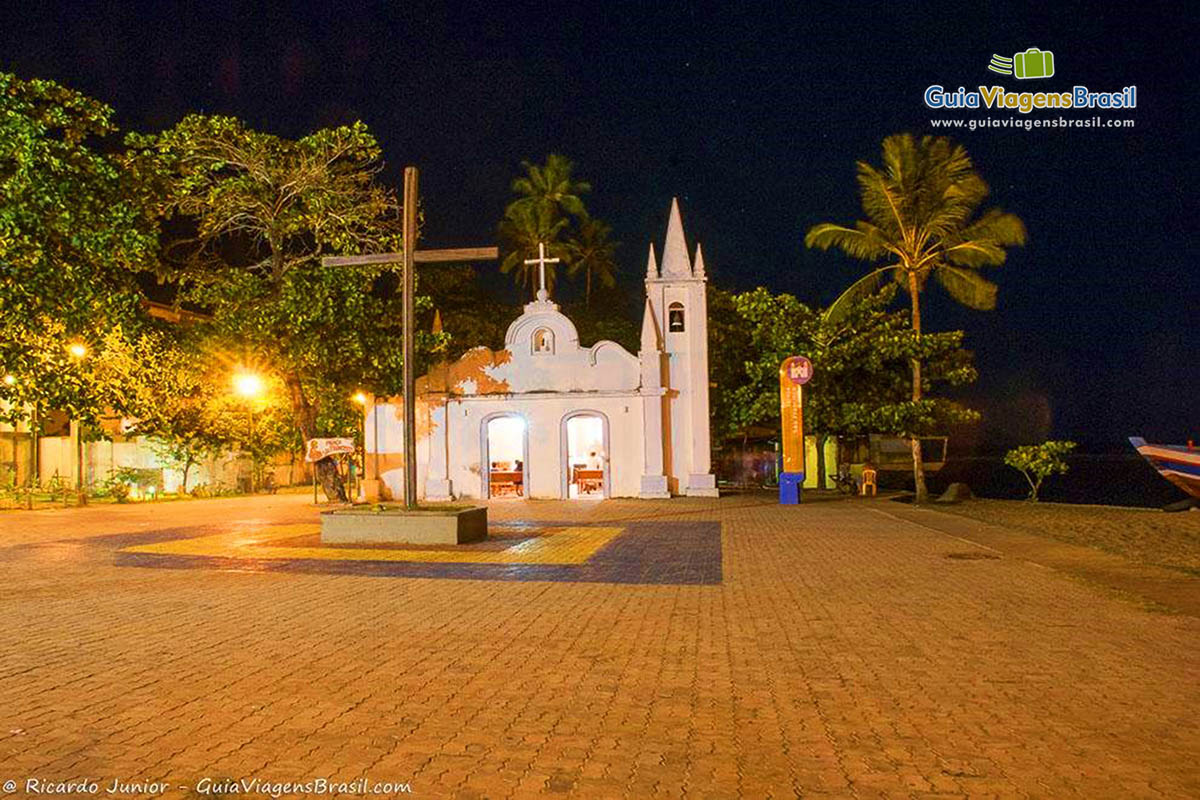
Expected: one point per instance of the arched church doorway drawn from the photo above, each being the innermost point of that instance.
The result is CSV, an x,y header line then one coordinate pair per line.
x,y
585,456
505,457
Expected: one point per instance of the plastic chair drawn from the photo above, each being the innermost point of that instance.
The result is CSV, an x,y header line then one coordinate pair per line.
x,y
868,480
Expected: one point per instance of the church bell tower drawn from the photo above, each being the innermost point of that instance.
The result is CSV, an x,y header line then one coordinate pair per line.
x,y
677,311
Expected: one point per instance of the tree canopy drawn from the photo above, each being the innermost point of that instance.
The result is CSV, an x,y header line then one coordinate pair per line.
x,y
860,364
248,216
922,215
72,237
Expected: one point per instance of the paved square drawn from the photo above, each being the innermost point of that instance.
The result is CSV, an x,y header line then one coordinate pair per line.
x,y
636,552
843,651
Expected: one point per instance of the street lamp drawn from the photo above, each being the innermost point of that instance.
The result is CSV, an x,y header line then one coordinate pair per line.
x,y
249,387
360,398
370,487
78,351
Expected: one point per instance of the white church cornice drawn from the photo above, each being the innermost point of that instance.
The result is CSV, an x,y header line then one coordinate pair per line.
x,y
555,395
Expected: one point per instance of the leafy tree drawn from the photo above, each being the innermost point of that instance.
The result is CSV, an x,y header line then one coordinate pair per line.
x,y
860,363
71,239
608,321
259,212
176,386
470,315
733,405
922,210
1039,461
590,251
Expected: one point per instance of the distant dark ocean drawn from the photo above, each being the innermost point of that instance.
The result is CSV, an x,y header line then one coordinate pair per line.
x,y
1117,479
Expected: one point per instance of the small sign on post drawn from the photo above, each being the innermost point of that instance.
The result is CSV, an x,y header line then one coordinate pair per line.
x,y
794,372
317,449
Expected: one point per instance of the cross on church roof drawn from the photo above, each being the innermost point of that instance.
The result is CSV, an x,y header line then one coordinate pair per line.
x,y
542,261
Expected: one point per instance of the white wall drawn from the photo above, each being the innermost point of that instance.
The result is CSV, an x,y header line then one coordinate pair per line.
x,y
543,415
57,455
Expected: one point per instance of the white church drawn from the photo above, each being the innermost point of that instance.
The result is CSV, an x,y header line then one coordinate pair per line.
x,y
547,418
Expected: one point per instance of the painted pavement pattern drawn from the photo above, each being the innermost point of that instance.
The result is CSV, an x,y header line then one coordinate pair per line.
x,y
836,651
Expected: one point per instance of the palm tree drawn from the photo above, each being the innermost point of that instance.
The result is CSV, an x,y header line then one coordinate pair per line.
x,y
548,200
550,188
591,251
922,215
521,230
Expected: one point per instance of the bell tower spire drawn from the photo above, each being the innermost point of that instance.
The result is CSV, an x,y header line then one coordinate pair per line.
x,y
677,311
676,263
652,265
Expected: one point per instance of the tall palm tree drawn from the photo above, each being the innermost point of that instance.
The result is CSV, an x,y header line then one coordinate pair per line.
x,y
591,251
922,216
548,200
521,230
550,188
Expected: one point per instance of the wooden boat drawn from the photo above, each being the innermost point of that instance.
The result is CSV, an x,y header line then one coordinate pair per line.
x,y
1180,464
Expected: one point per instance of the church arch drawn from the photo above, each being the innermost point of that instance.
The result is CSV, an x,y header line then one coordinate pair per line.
x,y
675,320
543,341
585,428
504,455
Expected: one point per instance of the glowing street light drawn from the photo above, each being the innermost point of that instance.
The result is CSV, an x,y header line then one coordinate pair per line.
x,y
10,380
249,387
247,384
78,351
360,398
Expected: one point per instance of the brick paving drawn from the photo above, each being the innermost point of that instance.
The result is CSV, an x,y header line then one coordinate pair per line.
x,y
633,552
845,652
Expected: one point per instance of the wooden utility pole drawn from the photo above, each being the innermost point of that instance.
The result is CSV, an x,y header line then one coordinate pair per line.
x,y
409,258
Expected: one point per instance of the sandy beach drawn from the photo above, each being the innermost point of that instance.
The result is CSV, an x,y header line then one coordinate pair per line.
x,y
1144,536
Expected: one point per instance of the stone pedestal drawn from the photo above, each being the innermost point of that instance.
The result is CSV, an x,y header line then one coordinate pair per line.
x,y
654,487
701,486
452,525
438,489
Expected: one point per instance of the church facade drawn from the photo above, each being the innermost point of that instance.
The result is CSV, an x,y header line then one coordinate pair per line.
x,y
546,417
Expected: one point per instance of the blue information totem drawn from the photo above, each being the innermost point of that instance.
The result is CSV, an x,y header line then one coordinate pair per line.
x,y
790,484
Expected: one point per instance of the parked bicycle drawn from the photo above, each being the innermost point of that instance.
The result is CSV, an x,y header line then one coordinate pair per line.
x,y
844,481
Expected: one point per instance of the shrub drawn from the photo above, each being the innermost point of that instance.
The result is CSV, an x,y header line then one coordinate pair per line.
x,y
1038,461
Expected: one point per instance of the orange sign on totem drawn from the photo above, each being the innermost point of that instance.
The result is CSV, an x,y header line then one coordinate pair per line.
x,y
794,372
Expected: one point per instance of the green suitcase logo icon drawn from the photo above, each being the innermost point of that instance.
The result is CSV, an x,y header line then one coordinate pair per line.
x,y
1033,63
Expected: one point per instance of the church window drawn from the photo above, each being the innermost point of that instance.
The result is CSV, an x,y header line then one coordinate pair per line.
x,y
675,318
543,341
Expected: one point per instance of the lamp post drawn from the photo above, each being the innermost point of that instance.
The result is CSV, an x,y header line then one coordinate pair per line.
x,y
78,351
370,486
249,387
361,399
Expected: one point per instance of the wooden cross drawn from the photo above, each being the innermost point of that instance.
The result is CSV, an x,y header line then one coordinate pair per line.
x,y
542,261
410,256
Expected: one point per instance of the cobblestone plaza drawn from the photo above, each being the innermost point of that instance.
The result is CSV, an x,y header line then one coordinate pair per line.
x,y
687,648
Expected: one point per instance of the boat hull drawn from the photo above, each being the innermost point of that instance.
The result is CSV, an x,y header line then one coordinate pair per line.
x,y
1177,463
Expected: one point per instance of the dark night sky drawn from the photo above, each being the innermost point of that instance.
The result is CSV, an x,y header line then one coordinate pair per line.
x,y
753,115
